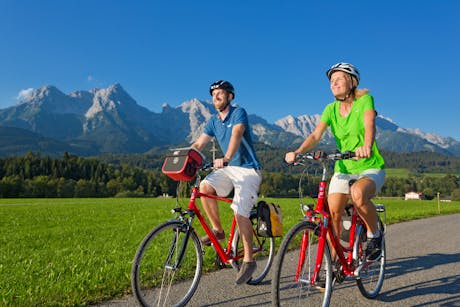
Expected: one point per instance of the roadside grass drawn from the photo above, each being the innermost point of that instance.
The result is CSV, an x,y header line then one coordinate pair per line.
x,y
74,252
405,173
397,172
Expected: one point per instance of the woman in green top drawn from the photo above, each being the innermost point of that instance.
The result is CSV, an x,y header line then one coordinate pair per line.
x,y
351,118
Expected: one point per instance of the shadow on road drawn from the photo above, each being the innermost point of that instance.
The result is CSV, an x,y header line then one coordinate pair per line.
x,y
447,285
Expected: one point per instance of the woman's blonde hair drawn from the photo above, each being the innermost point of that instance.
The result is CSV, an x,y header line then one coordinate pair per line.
x,y
358,91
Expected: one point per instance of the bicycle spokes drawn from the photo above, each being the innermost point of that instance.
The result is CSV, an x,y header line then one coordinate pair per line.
x,y
295,281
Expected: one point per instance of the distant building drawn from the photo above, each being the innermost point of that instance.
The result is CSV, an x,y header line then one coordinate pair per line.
x,y
413,195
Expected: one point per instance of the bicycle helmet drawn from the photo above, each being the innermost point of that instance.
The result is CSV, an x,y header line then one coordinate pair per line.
x,y
345,67
225,85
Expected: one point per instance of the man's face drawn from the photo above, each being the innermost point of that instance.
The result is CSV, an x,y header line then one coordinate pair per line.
x,y
221,98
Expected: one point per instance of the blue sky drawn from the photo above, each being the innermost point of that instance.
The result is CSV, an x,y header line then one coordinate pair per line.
x,y
274,52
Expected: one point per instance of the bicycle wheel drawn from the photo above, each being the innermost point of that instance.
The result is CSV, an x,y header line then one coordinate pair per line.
x,y
286,290
167,267
264,256
371,276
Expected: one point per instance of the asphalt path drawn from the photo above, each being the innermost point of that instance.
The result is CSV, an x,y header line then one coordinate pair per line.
x,y
423,269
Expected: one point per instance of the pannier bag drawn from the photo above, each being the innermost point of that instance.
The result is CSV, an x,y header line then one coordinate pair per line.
x,y
181,164
269,220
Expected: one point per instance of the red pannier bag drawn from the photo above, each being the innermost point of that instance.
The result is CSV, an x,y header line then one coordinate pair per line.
x,y
181,164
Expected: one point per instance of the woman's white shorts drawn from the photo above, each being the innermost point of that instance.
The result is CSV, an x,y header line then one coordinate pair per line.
x,y
340,182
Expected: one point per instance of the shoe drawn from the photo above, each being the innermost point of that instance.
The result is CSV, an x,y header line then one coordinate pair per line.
x,y
206,241
245,273
374,248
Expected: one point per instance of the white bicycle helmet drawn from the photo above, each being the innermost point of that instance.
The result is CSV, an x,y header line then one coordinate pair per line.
x,y
345,67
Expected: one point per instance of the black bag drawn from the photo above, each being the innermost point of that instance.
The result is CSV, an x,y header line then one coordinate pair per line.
x,y
269,220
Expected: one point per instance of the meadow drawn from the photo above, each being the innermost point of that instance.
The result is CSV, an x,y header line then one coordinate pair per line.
x,y
74,252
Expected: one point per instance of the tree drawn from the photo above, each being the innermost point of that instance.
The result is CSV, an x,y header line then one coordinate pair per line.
x,y
11,186
456,194
65,187
84,188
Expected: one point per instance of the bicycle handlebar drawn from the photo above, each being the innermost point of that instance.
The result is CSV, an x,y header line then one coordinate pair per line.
x,y
320,155
208,165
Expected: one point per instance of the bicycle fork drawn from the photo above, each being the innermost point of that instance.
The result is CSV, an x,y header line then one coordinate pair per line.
x,y
304,246
174,248
303,249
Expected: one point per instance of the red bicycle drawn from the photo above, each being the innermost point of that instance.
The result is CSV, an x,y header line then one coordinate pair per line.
x,y
168,264
303,272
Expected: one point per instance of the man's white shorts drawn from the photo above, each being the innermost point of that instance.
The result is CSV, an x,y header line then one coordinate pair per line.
x,y
245,181
340,182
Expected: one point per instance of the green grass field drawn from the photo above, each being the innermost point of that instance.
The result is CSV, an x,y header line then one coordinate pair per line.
x,y
405,173
397,172
73,252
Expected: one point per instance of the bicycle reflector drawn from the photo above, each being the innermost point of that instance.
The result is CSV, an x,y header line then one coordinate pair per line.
x,y
181,164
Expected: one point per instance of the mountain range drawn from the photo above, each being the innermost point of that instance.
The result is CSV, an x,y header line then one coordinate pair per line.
x,y
109,120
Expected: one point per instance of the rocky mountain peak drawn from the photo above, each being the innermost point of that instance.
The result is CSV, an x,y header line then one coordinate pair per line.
x,y
110,120
45,94
198,113
301,126
110,99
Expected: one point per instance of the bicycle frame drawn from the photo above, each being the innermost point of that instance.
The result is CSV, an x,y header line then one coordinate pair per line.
x,y
224,254
320,214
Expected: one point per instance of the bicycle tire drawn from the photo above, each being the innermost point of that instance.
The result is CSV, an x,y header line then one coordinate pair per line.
x,y
263,258
155,277
371,277
286,290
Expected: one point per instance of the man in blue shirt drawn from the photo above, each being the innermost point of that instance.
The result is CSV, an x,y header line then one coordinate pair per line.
x,y
231,129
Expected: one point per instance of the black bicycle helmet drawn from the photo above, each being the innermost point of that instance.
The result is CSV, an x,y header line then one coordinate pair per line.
x,y
345,67
225,85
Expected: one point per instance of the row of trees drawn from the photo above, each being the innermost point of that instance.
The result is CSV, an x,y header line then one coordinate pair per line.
x,y
72,176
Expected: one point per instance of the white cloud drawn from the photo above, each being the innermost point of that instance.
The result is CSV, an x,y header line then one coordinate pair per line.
x,y
23,94
90,78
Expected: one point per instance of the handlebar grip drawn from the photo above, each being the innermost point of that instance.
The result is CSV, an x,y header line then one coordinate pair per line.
x,y
348,154
210,164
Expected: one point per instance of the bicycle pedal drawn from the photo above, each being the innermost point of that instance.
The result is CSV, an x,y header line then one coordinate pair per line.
x,y
219,264
339,276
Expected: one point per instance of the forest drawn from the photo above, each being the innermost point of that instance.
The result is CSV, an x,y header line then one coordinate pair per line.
x,y
33,175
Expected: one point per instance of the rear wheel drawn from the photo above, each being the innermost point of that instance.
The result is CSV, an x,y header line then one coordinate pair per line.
x,y
371,276
264,252
286,290
167,267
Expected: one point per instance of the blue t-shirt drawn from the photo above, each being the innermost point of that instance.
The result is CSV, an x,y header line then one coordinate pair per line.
x,y
222,131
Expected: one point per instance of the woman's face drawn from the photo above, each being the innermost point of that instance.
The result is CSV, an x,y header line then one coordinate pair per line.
x,y
341,83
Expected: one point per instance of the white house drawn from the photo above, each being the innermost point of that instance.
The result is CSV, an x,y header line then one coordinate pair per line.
x,y
413,195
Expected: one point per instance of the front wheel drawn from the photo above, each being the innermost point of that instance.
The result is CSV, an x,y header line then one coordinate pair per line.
x,y
263,252
167,266
371,276
287,290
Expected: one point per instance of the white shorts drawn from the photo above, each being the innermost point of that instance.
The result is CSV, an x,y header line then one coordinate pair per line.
x,y
245,181
340,182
